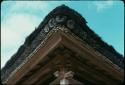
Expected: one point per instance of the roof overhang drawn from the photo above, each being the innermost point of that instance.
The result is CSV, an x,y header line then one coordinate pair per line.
x,y
95,63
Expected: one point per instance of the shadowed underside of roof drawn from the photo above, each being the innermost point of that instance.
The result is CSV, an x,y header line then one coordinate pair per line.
x,y
57,17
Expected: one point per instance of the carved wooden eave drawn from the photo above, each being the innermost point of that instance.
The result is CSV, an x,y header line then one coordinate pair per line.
x,y
61,49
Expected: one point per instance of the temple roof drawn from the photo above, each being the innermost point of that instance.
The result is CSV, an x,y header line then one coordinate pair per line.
x,y
79,29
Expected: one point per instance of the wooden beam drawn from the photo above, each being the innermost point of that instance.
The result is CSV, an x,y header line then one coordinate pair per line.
x,y
74,44
77,46
51,43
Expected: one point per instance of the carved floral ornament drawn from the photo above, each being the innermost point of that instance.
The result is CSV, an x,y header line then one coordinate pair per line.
x,y
56,21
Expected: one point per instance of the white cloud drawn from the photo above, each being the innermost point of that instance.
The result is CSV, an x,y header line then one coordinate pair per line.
x,y
20,20
31,5
14,31
100,5
17,24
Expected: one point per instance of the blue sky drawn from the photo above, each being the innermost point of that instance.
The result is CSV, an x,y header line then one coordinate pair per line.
x,y
19,19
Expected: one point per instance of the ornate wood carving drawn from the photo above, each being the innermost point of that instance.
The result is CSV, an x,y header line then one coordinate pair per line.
x,y
60,18
70,24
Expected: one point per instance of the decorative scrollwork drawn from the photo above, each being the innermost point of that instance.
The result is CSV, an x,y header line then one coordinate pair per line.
x,y
52,23
70,24
46,28
41,35
60,18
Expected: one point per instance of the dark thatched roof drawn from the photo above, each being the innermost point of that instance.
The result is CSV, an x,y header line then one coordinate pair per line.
x,y
38,35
